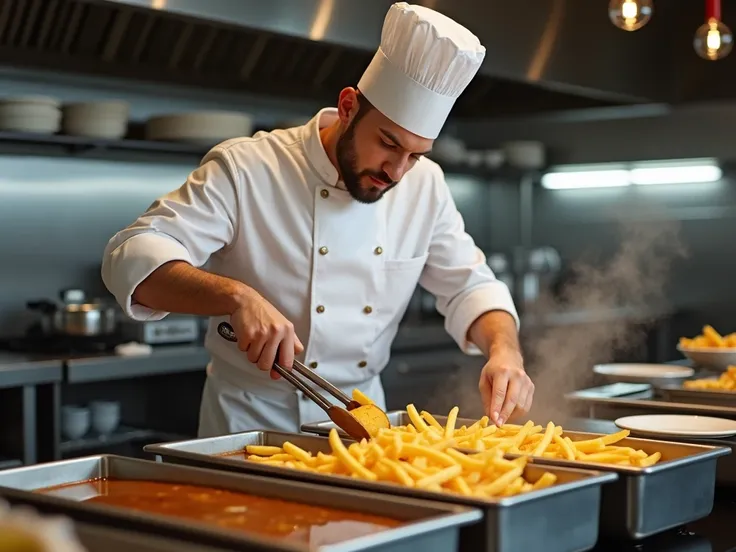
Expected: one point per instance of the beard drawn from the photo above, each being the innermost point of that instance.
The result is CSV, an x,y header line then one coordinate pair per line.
x,y
347,161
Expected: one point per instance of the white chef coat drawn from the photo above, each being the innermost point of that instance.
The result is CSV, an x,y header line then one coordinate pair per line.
x,y
269,211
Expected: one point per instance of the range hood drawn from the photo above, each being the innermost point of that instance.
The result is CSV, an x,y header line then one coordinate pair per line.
x,y
542,55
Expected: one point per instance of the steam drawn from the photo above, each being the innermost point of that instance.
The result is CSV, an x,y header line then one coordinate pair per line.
x,y
560,358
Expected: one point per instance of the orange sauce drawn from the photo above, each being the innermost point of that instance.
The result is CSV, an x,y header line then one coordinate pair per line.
x,y
292,521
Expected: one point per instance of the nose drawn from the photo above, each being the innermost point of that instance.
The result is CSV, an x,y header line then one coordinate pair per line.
x,y
396,168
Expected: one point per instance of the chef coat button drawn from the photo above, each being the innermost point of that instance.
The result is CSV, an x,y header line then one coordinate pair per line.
x,y
325,194
313,365
323,250
378,250
362,364
320,309
368,309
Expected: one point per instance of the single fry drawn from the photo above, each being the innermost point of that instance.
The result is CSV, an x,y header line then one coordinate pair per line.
x,y
361,398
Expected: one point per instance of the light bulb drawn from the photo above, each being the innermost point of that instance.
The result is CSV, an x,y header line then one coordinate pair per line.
x,y
713,40
630,15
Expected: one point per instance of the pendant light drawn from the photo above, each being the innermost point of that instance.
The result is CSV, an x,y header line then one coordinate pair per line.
x,y
630,15
713,39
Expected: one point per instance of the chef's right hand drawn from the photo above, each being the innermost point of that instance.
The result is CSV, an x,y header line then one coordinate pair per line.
x,y
263,333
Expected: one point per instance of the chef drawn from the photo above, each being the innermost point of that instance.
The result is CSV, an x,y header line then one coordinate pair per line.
x,y
316,237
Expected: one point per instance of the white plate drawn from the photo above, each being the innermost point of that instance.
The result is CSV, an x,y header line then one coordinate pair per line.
x,y
643,373
678,425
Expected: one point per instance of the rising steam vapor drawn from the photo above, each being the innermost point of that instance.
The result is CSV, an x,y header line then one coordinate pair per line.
x,y
560,358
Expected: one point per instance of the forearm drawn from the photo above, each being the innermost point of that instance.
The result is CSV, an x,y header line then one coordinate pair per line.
x,y
494,330
179,287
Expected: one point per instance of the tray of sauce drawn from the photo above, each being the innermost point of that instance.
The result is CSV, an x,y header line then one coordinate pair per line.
x,y
506,520
235,511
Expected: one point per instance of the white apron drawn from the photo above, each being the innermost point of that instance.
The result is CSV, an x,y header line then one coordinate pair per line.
x,y
269,211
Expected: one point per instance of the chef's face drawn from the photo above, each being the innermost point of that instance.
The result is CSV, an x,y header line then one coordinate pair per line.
x,y
373,153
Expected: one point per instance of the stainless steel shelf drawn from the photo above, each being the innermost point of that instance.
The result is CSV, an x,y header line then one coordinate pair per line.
x,y
21,143
121,436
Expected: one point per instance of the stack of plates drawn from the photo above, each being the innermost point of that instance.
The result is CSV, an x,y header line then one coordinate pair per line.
x,y
36,114
204,127
108,119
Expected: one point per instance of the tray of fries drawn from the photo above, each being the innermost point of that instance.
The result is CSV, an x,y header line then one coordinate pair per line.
x,y
508,492
714,391
650,473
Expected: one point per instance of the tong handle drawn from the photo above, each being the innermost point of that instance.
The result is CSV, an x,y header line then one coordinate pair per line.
x,y
226,331
322,382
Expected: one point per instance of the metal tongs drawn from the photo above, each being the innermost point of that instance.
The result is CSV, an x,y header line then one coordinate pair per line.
x,y
342,417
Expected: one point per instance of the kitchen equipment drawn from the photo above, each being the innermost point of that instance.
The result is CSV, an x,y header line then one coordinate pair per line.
x,y
536,272
506,520
501,267
631,507
170,330
75,317
357,420
431,526
654,374
525,154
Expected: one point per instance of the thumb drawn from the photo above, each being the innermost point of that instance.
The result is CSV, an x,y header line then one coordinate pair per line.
x,y
298,347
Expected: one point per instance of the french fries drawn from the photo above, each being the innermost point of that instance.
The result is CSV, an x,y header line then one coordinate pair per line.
x,y
531,440
725,382
411,459
709,339
550,442
423,454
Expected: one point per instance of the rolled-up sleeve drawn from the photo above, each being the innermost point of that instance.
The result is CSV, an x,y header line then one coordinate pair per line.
x,y
457,274
188,224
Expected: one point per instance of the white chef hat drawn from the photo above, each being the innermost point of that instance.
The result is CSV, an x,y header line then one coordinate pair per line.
x,y
423,64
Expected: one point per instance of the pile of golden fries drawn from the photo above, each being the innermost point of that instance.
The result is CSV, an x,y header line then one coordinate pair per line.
x,y
709,339
410,460
725,382
424,455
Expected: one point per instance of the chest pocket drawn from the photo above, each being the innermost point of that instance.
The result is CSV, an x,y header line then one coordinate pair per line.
x,y
399,280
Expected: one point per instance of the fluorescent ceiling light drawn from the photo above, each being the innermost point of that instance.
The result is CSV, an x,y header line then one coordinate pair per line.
x,y
585,179
676,175
694,171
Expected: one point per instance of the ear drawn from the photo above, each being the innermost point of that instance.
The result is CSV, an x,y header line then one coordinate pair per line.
x,y
347,105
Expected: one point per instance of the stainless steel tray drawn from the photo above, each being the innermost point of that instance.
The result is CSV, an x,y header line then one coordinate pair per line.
x,y
647,401
433,526
506,526
99,538
712,397
644,501
612,407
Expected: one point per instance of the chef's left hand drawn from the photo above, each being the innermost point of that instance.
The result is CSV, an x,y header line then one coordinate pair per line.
x,y
504,386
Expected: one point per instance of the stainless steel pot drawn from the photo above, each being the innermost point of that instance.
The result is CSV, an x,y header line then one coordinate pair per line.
x,y
76,318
